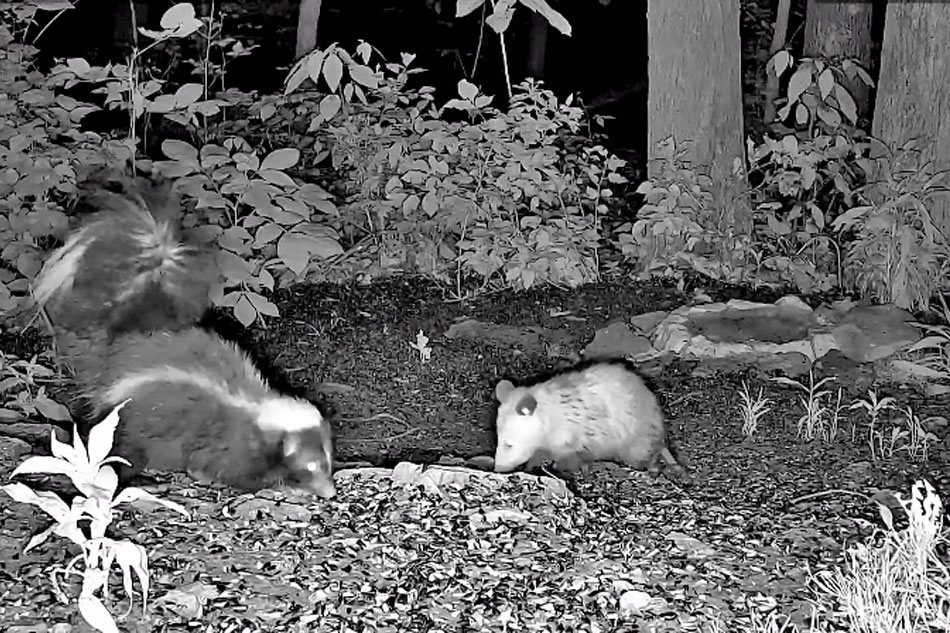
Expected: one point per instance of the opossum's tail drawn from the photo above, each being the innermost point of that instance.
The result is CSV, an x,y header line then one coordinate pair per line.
x,y
125,268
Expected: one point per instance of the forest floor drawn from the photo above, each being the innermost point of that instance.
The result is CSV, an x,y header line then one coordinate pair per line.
x,y
497,553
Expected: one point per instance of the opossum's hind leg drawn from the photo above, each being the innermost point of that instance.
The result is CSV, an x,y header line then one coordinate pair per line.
x,y
672,468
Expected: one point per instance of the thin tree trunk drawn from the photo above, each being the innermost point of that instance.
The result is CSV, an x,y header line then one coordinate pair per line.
x,y
537,46
779,35
842,30
308,21
695,91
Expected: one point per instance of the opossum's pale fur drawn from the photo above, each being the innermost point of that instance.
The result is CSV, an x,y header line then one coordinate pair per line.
x,y
124,295
126,267
602,411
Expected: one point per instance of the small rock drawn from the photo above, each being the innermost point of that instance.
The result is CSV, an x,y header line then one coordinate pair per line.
x,y
616,341
646,323
794,304
868,333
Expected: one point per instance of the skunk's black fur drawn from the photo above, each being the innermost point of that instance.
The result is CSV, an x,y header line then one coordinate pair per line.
x,y
124,294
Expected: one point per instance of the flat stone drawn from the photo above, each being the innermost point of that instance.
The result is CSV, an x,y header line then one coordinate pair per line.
x,y
870,333
646,323
617,341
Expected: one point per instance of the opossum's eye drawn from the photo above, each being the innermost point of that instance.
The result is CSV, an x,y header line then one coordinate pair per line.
x,y
313,467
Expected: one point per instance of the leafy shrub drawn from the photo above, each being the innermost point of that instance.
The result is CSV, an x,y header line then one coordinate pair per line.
x,y
688,223
896,253
41,149
258,215
493,195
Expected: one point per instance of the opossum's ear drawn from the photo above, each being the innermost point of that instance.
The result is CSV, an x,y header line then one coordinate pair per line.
x,y
526,405
503,389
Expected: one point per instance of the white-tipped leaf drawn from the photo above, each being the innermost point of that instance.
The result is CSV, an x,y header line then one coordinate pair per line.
x,y
102,435
133,495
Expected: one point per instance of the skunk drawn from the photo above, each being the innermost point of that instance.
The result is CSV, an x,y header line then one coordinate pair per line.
x,y
126,268
197,404
602,411
124,295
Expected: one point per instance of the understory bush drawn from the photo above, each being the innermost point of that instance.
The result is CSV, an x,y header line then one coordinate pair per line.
x,y
820,205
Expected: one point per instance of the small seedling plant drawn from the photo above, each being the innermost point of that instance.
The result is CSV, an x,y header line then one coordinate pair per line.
x,y
84,522
818,420
752,410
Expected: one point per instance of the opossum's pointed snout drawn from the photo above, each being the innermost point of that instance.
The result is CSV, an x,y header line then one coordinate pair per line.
x,y
323,487
503,466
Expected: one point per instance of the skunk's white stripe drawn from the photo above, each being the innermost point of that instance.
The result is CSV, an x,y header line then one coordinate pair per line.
x,y
288,415
126,386
59,272
273,413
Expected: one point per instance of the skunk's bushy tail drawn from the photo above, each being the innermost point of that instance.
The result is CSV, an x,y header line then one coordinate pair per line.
x,y
126,266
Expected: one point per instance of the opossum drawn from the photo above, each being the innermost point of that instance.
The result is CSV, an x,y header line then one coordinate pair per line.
x,y
124,295
601,411
126,268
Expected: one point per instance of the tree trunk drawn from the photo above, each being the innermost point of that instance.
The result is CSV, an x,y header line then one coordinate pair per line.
x,y
537,45
779,36
842,30
695,91
307,22
913,98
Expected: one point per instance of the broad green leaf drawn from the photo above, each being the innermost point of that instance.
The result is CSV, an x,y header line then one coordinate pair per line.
x,y
267,233
846,103
262,305
363,75
181,151
188,94
180,20
333,71
467,90
52,410
464,7
329,106
244,310
296,77
554,18
799,82
52,5
315,66
278,178
826,83
281,159
294,251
